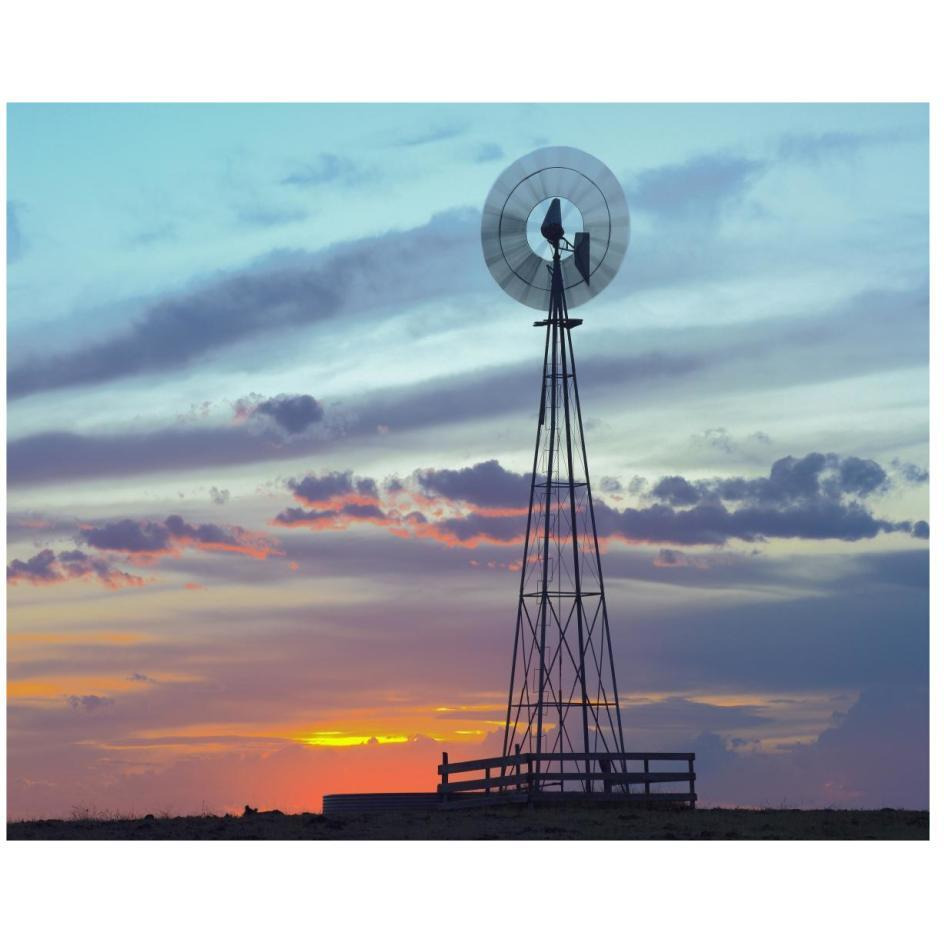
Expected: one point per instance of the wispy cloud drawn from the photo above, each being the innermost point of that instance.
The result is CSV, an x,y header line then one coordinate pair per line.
x,y
815,148
430,135
281,293
16,241
325,168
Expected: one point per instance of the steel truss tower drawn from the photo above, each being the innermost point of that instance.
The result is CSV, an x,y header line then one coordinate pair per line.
x,y
562,697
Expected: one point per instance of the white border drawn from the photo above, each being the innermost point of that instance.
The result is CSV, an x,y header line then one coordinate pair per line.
x,y
484,51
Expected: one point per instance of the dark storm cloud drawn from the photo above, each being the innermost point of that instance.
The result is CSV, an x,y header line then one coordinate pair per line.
x,y
47,567
485,483
16,242
324,169
695,190
294,414
284,291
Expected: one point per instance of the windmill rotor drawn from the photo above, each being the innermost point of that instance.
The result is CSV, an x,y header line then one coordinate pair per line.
x,y
555,176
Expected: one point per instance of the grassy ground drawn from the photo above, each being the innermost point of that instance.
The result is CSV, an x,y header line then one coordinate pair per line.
x,y
513,822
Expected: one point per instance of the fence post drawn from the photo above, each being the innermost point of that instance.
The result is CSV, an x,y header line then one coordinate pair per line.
x,y
517,767
605,769
691,779
488,775
530,774
445,775
645,767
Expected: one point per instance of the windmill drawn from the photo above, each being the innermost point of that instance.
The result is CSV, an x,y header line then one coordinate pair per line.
x,y
555,229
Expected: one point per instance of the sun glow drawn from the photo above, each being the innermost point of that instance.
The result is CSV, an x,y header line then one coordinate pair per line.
x,y
344,739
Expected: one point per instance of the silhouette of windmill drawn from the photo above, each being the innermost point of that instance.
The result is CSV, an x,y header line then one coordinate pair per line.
x,y
555,228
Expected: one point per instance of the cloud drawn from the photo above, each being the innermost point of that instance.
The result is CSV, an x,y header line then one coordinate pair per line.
x,y
921,530
816,148
284,291
147,540
816,476
325,168
294,414
669,558
910,472
163,233
219,496
718,439
265,216
696,190
334,501
16,241
815,498
333,489
676,490
330,518
715,524
488,151
874,755
438,132
777,353
88,702
485,484
64,455
48,567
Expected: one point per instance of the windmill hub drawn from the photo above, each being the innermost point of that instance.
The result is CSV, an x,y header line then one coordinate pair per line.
x,y
571,221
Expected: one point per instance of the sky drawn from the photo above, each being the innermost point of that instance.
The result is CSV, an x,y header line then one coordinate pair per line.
x,y
269,419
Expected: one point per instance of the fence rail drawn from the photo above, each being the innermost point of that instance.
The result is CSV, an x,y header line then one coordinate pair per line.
x,y
598,773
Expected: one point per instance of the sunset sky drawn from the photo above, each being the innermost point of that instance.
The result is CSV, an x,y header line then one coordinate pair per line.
x,y
270,424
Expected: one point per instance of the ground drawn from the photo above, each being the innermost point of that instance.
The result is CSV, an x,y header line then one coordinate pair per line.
x,y
512,822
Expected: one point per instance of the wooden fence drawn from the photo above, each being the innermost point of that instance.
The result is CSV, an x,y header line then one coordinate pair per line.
x,y
604,775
